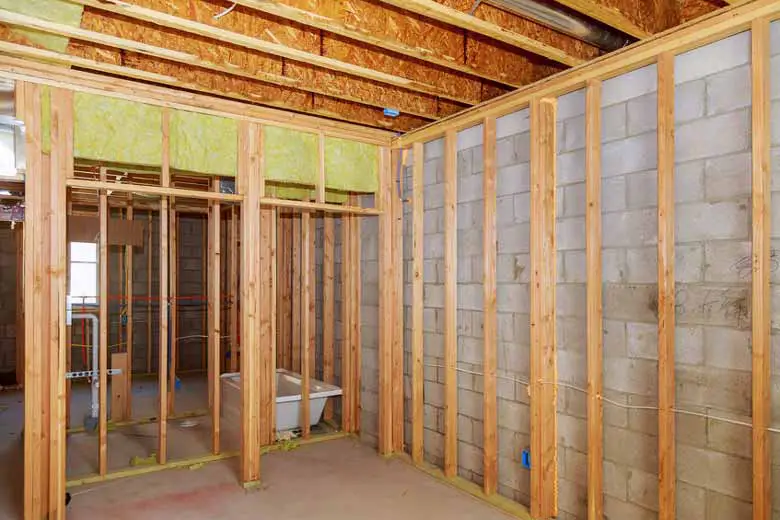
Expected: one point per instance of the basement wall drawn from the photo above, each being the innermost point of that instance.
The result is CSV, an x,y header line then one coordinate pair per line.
x,y
8,274
712,264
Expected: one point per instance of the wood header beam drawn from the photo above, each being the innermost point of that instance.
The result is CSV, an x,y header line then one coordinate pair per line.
x,y
610,16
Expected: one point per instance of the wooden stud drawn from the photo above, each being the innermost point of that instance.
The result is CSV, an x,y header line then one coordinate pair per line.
x,y
328,307
119,360
250,182
271,303
128,413
544,374
214,313
306,324
355,320
103,324
397,355
418,323
173,294
761,315
347,272
295,298
267,362
489,249
162,367
35,475
386,305
666,443
450,304
312,303
594,311
149,293
233,283
61,131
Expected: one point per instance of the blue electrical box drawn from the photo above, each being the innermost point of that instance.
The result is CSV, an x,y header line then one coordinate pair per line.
x,y
392,112
525,459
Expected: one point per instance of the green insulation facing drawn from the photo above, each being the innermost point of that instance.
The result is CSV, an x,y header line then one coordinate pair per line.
x,y
282,191
290,156
60,11
117,131
351,166
202,143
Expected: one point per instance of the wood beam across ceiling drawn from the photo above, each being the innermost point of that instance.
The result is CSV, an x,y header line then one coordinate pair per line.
x,y
504,27
319,105
421,49
611,15
406,102
454,91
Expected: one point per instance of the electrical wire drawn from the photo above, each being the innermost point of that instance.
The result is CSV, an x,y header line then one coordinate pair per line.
x,y
612,402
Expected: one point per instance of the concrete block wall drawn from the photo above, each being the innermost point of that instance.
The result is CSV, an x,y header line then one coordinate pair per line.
x,y
369,322
8,274
712,189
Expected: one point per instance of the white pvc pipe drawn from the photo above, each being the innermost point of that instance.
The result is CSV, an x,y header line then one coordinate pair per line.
x,y
95,405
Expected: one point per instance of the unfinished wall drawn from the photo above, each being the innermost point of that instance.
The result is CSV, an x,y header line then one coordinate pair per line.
x,y
8,274
713,356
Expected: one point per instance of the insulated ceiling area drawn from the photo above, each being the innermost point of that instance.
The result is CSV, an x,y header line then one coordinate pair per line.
x,y
392,64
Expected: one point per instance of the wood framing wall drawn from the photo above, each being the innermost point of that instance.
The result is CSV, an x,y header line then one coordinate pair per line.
x,y
545,386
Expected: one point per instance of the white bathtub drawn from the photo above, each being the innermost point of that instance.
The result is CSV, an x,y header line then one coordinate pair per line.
x,y
288,398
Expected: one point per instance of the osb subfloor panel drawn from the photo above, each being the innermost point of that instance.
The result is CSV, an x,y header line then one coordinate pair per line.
x,y
340,479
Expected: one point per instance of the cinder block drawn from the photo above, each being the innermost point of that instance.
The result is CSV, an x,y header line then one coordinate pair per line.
x,y
727,348
512,298
632,449
730,438
642,190
571,167
630,228
433,171
728,177
615,338
574,200
573,432
514,357
725,305
630,85
636,376
642,265
514,123
575,267
643,489
470,457
728,90
470,137
727,261
571,105
514,239
505,210
708,221
433,246
433,295
774,35
570,233
470,403
433,197
614,124
470,188
642,340
613,194
634,154
713,136
505,150
615,480
573,137
513,268
572,494
689,101
522,211
715,471
775,116
642,114
514,416
691,501
723,507
513,179
689,181
470,296
689,263
570,367
434,149
713,58
614,508
688,345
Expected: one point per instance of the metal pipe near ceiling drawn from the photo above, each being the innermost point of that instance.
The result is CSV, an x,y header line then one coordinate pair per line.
x,y
561,21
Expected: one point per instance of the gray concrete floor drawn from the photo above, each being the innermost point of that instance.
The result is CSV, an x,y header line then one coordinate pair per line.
x,y
340,479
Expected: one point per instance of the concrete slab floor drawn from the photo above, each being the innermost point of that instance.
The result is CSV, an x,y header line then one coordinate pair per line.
x,y
341,479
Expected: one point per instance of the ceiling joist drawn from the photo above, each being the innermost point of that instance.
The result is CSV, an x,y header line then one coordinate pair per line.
x,y
469,22
162,19
355,32
320,105
406,102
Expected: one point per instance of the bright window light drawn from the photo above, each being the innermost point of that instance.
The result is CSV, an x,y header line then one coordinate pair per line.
x,y
83,273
